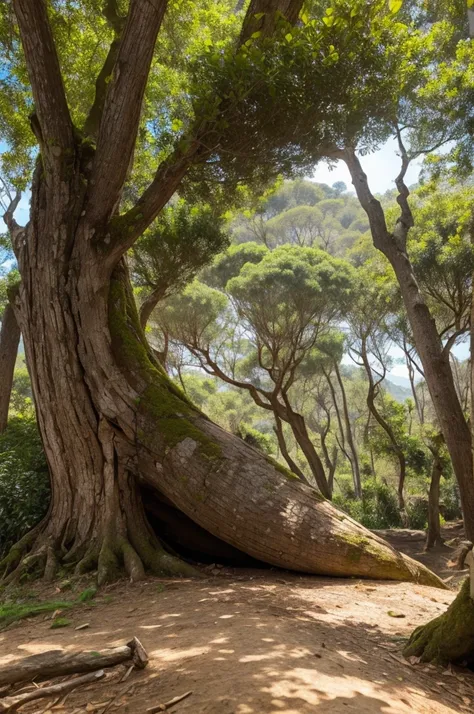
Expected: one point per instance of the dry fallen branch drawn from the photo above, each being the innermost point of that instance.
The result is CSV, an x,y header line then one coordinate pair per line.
x,y
12,704
57,663
168,705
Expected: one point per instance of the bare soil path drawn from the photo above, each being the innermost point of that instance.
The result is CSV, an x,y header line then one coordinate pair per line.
x,y
256,642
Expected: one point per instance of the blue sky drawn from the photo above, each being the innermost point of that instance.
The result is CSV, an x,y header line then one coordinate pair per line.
x,y
381,168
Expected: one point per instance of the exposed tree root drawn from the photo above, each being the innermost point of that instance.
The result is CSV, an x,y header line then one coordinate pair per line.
x,y
13,558
449,637
132,555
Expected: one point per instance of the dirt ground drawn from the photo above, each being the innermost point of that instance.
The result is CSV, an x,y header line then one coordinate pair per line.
x,y
250,642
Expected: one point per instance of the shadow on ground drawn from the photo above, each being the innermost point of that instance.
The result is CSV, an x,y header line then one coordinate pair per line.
x,y
261,643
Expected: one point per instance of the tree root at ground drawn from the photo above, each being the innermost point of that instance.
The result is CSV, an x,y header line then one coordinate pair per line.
x,y
449,637
128,548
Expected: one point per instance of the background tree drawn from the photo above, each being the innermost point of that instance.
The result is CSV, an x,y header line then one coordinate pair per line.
x,y
285,302
9,331
167,256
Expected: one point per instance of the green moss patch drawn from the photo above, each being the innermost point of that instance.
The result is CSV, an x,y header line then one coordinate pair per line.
x,y
12,612
170,411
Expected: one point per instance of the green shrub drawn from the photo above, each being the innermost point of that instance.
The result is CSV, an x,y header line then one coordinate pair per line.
x,y
450,500
24,480
417,513
254,437
378,507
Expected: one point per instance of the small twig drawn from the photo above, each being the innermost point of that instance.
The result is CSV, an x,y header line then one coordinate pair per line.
x,y
127,673
50,706
168,705
114,699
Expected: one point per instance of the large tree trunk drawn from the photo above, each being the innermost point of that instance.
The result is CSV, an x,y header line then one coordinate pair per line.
x,y
9,340
434,358
449,637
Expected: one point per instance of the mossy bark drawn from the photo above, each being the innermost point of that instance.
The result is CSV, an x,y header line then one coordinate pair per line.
x,y
449,637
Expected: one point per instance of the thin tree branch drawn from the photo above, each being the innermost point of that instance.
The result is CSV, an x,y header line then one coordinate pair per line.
x,y
14,229
451,341
405,221
369,203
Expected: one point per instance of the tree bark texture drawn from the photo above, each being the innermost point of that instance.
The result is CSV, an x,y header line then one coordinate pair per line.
x,y
9,341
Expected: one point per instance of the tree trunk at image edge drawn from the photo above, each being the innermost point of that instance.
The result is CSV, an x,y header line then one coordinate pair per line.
x,y
108,414
449,637
9,341
434,357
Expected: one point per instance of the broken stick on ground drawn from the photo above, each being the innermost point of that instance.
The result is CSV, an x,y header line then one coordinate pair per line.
x,y
163,707
13,703
57,663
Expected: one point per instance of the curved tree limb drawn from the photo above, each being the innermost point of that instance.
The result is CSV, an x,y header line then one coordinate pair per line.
x,y
14,229
125,229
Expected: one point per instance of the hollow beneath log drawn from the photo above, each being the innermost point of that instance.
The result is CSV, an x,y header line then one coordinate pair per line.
x,y
187,538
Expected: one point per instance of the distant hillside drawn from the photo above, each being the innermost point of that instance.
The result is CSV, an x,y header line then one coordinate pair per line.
x,y
395,386
397,391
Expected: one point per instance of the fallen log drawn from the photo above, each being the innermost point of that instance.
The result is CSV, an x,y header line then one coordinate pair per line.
x,y
13,703
57,663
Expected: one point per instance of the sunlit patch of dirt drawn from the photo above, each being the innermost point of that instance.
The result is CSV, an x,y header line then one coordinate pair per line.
x,y
258,642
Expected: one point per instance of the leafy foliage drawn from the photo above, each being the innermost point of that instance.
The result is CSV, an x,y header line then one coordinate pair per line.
x,y
378,507
179,244
24,480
